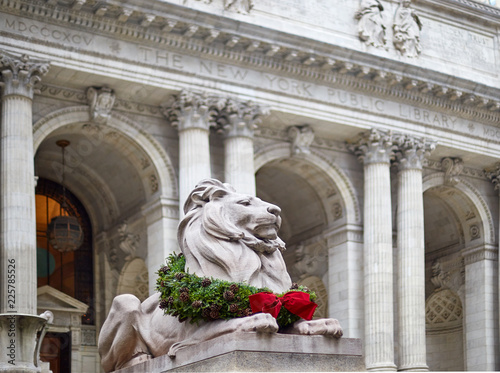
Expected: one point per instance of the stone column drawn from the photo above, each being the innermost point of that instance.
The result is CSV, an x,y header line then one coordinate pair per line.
x,y
375,150
162,219
411,255
238,121
17,189
481,310
193,114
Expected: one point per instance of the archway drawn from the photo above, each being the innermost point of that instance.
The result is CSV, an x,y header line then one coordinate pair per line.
x,y
125,180
458,236
319,211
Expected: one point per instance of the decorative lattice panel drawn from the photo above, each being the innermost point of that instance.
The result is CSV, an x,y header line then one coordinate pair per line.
x,y
443,307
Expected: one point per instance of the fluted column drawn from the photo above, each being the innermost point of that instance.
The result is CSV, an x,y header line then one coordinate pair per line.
x,y
17,188
375,150
238,121
411,253
193,115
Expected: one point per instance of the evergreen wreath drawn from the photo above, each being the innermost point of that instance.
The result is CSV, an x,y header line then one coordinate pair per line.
x,y
187,296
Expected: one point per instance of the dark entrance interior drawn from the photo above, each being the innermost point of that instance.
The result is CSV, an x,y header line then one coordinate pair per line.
x,y
56,350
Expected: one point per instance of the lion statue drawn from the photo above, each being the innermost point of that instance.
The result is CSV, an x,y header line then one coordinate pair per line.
x,y
224,235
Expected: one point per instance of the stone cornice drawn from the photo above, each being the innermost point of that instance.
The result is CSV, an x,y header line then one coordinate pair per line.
x,y
191,32
468,6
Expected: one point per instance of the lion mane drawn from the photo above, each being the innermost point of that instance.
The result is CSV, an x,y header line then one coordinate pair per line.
x,y
216,243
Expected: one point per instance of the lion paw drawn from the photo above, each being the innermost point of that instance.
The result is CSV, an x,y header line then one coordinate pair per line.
x,y
260,322
319,327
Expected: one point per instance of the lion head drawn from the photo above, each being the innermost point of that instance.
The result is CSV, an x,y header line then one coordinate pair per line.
x,y
233,237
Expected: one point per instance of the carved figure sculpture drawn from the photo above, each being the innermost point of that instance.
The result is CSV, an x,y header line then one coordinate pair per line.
x,y
240,6
224,235
101,101
407,28
371,26
302,138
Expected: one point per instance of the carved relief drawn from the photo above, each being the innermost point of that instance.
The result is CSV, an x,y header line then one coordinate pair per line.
x,y
240,6
153,182
407,28
101,101
337,211
371,28
494,176
311,260
439,278
443,307
452,168
475,232
302,138
128,241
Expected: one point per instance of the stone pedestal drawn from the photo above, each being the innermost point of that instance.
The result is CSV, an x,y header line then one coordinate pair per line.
x,y
258,352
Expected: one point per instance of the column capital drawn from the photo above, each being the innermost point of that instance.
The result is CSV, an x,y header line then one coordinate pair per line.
x,y
494,175
240,118
20,74
411,150
192,110
374,146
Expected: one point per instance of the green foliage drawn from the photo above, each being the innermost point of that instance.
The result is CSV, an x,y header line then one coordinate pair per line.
x,y
188,296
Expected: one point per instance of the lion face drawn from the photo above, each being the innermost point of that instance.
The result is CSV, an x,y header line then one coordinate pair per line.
x,y
252,215
233,236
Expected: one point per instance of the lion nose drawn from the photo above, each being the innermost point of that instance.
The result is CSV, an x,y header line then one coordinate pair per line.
x,y
273,209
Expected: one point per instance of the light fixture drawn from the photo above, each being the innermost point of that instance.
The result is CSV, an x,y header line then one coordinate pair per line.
x,y
64,232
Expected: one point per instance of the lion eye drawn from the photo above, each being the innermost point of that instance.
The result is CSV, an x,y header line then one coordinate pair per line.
x,y
244,202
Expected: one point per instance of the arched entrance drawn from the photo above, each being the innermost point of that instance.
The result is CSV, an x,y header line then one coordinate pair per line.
x,y
317,206
125,181
460,269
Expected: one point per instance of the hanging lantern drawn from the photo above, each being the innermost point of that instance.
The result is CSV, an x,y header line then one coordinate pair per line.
x,y
64,232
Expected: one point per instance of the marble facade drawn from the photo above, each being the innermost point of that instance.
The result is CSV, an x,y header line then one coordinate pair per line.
x,y
374,125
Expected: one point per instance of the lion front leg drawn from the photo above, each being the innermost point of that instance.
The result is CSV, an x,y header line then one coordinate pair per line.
x,y
329,327
260,322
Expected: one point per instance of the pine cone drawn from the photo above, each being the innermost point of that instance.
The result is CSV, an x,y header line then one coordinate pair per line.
x,y
294,286
248,312
215,307
184,290
164,269
205,313
196,304
234,288
180,275
163,304
170,301
206,282
184,297
214,315
234,308
228,295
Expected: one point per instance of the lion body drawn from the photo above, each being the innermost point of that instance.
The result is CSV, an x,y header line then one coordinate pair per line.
x,y
224,235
